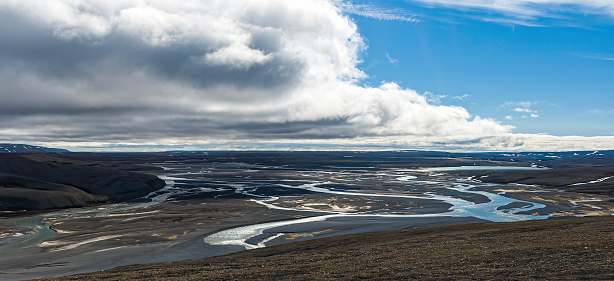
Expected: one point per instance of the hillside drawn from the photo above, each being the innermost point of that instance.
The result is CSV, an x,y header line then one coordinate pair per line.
x,y
569,249
45,181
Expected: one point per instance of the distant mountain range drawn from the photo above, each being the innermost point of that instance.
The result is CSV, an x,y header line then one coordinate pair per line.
x,y
13,147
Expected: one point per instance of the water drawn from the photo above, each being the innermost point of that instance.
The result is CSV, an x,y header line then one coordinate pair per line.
x,y
271,185
480,168
38,231
320,194
328,192
489,211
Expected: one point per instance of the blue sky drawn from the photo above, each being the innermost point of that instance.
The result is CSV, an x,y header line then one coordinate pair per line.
x,y
453,75
559,69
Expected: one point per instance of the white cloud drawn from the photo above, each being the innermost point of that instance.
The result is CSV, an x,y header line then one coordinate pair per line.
x,y
374,12
525,12
507,142
391,60
512,22
509,117
595,111
164,72
238,56
531,8
604,57
525,110
526,104
141,71
434,98
463,97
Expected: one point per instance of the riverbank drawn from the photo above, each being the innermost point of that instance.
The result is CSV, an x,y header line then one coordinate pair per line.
x,y
130,233
570,248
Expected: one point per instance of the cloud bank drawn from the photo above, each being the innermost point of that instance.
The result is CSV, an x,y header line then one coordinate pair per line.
x,y
87,73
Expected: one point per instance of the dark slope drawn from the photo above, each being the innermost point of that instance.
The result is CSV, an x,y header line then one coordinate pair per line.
x,y
564,249
27,184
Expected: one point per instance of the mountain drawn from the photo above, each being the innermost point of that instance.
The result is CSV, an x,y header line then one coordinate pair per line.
x,y
14,147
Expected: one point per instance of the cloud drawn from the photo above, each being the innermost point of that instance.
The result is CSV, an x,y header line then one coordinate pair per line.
x,y
391,60
462,98
524,104
161,72
437,99
375,12
603,57
524,110
238,56
531,8
79,73
526,12
597,112
512,22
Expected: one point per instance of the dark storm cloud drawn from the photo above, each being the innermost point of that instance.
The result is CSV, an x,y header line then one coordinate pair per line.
x,y
320,129
34,47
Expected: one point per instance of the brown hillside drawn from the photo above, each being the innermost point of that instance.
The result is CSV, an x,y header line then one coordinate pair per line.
x,y
565,249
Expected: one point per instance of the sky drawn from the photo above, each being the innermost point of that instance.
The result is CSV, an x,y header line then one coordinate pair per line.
x,y
467,75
